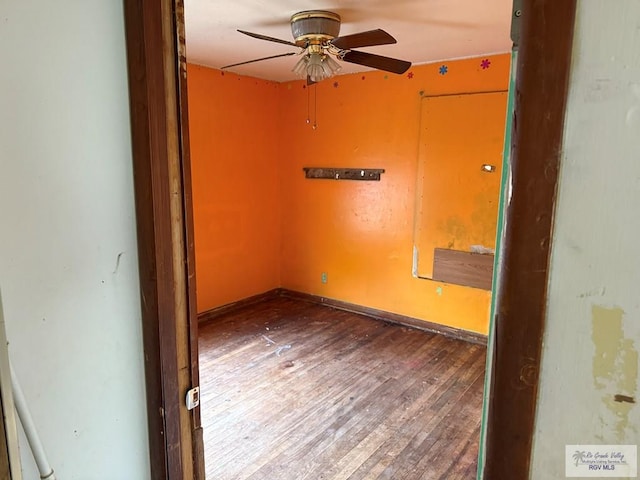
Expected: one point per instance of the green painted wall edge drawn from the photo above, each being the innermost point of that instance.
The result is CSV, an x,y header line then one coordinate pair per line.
x,y
504,191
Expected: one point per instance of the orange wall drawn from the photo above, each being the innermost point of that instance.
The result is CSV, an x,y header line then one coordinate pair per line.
x,y
285,230
234,153
361,233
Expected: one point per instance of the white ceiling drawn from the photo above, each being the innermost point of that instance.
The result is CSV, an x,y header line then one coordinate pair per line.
x,y
426,30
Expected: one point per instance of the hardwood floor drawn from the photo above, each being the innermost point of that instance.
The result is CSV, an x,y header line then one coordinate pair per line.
x,y
295,390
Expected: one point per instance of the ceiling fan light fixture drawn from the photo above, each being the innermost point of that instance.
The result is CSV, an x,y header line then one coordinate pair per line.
x,y
310,67
331,65
300,68
316,66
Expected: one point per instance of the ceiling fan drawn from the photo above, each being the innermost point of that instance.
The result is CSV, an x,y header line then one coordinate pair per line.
x,y
315,32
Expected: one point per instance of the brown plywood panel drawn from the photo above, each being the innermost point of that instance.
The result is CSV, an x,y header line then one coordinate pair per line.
x,y
463,268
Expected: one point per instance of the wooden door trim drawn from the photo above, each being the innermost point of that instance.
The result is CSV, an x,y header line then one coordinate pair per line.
x,y
544,59
183,125
159,127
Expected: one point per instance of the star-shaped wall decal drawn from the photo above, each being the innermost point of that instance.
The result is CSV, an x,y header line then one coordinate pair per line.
x,y
410,75
443,70
486,63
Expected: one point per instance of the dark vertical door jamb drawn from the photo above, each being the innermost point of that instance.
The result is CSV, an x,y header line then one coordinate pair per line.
x,y
165,255
544,57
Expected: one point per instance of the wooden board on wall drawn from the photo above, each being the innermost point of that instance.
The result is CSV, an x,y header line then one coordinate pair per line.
x,y
463,268
457,201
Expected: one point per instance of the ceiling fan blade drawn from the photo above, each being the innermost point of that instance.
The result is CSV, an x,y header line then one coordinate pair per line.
x,y
270,39
258,60
363,39
387,64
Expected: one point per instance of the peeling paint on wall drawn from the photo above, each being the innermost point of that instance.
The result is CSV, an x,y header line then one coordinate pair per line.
x,y
615,366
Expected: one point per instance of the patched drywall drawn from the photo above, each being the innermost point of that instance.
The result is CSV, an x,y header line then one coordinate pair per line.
x,y
589,374
615,366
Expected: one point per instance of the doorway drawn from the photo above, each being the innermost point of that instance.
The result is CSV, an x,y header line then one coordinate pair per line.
x,y
538,14
261,224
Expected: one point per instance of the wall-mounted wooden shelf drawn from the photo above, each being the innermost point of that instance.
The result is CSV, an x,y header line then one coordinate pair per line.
x,y
371,174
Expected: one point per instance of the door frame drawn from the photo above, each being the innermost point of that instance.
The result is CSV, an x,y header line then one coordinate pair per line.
x,y
541,87
159,123
156,58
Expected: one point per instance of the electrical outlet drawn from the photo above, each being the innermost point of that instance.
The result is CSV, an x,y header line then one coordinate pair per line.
x,y
324,278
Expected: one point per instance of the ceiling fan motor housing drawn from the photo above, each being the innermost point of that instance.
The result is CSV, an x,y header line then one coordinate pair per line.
x,y
314,27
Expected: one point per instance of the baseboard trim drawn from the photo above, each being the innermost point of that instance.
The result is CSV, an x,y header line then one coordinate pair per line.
x,y
233,306
444,330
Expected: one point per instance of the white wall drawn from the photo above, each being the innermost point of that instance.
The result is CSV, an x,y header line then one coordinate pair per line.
x,y
593,325
68,263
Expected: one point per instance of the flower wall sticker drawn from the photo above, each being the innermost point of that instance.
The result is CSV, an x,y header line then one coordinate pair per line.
x,y
486,63
410,75
443,70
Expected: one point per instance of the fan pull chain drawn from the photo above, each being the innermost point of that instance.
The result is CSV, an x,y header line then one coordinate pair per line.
x,y
315,106
308,101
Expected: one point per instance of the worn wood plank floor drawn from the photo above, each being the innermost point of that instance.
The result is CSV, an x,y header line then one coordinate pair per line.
x,y
295,390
